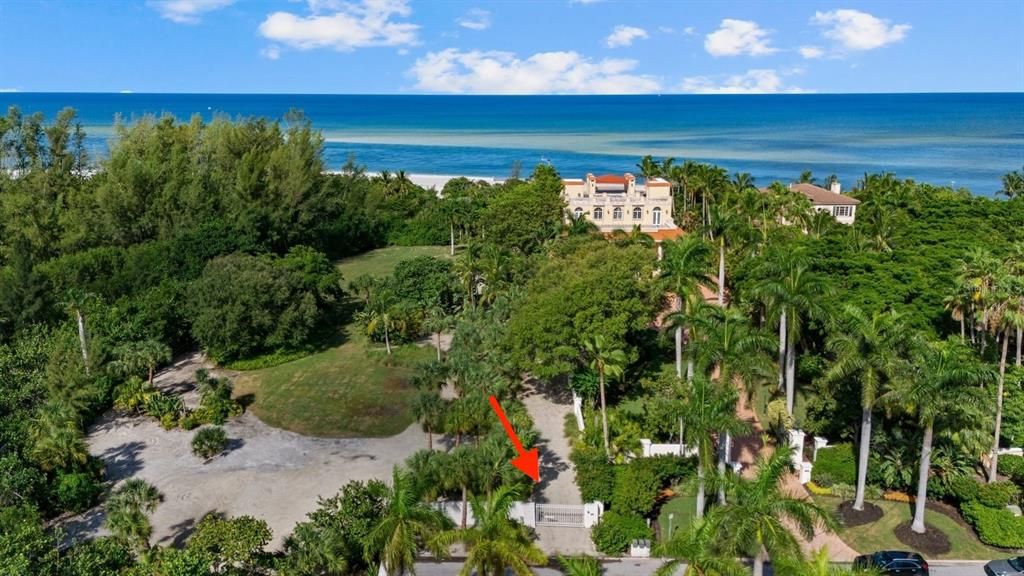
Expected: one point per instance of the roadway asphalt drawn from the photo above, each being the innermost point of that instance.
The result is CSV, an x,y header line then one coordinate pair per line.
x,y
647,568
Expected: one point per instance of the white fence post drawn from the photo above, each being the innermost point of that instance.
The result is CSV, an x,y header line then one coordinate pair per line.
x,y
592,512
819,443
796,441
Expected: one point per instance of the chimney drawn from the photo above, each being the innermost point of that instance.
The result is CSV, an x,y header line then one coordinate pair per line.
x,y
835,187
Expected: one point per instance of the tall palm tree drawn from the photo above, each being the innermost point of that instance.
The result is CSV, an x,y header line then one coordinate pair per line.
x,y
1007,317
459,470
437,320
760,516
942,389
140,356
708,409
608,362
649,167
76,301
495,543
128,510
700,548
428,408
380,314
684,269
797,295
872,349
739,354
407,524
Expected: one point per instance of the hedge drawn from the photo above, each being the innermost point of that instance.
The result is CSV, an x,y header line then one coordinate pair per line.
x,y
595,476
997,494
616,531
995,526
1012,467
835,465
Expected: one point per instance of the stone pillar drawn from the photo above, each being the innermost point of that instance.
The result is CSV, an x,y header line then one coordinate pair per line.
x,y
645,447
592,512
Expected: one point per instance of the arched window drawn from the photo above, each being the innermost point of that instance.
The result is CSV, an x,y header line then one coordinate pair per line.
x,y
617,213
577,213
656,216
598,213
638,212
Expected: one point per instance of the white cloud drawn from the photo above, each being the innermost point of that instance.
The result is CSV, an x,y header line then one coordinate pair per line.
x,y
856,30
187,11
757,81
585,1
477,72
7,90
666,29
343,26
738,37
689,30
272,52
624,36
811,52
475,19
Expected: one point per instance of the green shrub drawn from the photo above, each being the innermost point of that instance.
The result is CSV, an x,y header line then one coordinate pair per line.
x,y
189,421
98,557
1012,467
995,526
595,476
668,469
160,405
616,531
133,394
77,492
208,442
835,465
997,494
168,421
964,489
636,488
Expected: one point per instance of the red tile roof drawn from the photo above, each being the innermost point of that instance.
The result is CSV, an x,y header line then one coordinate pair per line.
x,y
610,179
666,234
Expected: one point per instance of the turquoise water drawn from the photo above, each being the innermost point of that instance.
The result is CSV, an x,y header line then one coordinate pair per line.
x,y
965,139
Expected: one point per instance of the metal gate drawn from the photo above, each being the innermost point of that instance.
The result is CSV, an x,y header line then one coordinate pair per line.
x,y
560,515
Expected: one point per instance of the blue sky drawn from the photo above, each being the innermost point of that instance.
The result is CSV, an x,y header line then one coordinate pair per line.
x,y
515,46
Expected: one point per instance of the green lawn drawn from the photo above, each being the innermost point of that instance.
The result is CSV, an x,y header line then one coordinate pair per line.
x,y
879,535
382,261
682,508
350,390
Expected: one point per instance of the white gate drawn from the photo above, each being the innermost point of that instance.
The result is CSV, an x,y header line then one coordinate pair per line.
x,y
560,515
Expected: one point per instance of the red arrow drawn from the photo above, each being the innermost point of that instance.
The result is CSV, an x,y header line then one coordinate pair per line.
x,y
527,460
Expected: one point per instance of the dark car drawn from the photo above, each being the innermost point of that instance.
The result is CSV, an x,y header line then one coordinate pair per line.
x,y
893,563
1008,567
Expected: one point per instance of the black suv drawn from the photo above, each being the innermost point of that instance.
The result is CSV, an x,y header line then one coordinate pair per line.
x,y
892,563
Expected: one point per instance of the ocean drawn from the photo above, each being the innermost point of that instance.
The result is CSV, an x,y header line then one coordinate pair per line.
x,y
967,140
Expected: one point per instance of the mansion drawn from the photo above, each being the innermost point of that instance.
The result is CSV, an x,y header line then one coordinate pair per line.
x,y
832,200
614,202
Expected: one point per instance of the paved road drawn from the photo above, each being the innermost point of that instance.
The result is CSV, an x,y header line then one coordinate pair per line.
x,y
647,568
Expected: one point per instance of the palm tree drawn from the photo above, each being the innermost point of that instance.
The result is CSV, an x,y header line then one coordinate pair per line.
x,y
760,516
807,177
649,168
818,565
1013,184
943,388
458,470
128,510
139,356
1007,317
428,408
406,525
739,352
437,320
55,439
579,225
707,409
699,547
608,362
797,295
580,565
870,349
75,301
684,269
495,542
380,314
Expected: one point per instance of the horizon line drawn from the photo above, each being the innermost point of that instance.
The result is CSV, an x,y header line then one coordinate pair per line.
x,y
490,95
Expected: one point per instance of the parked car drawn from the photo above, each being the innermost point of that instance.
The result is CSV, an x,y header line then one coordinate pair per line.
x,y
1008,567
894,563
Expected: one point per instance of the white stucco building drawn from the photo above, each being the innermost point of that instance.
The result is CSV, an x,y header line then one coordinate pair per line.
x,y
614,202
843,208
